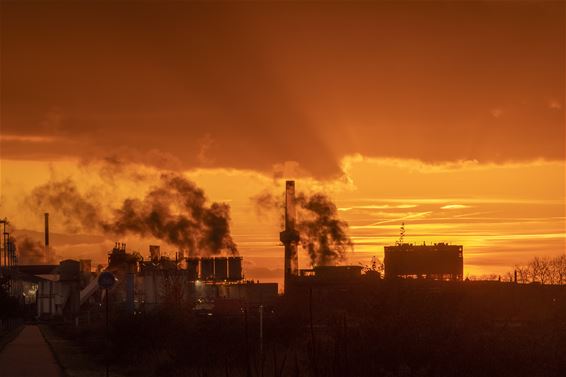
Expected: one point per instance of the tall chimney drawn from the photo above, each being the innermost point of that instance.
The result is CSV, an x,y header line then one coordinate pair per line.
x,y
290,237
46,236
46,230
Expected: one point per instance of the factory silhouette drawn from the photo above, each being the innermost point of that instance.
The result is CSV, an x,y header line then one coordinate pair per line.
x,y
333,319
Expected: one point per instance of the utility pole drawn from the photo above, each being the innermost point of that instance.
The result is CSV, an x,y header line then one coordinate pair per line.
x,y
261,332
107,337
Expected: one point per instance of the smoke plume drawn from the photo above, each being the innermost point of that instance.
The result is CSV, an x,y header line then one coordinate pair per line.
x,y
174,211
30,251
77,211
322,234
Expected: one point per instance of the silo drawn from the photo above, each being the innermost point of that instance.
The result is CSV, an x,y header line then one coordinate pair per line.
x,y
234,268
207,268
220,268
192,268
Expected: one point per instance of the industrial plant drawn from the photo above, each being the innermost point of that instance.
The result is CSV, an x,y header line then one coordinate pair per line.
x,y
438,261
209,284
323,308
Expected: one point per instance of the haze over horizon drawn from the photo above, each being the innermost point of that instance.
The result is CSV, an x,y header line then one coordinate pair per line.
x,y
446,116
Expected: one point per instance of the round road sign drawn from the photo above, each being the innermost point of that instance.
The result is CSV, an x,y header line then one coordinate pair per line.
x,y
106,280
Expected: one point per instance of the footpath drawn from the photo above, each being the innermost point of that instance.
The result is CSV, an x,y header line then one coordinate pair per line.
x,y
38,352
28,355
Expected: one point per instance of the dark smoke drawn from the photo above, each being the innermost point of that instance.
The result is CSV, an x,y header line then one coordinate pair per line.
x,y
266,203
30,251
112,168
77,210
322,234
175,211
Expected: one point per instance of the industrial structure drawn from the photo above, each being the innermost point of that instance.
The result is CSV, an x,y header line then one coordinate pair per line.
x,y
7,249
70,288
325,277
289,236
208,283
439,261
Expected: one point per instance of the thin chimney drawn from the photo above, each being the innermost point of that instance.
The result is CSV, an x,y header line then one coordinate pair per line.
x,y
46,229
46,234
289,236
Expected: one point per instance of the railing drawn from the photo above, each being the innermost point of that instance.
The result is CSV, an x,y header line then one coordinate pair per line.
x,y
9,324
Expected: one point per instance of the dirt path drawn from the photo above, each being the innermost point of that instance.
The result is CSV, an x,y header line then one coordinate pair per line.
x,y
28,355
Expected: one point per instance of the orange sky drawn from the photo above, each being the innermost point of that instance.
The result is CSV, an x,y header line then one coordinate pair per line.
x,y
448,116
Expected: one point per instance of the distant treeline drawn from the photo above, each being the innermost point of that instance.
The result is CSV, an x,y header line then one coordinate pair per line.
x,y
542,270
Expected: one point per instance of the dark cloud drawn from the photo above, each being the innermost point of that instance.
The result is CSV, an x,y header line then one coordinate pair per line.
x,y
255,85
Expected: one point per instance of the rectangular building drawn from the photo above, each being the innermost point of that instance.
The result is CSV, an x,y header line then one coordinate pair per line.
x,y
439,261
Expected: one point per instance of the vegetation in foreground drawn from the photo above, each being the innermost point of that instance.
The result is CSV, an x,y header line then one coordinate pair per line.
x,y
496,329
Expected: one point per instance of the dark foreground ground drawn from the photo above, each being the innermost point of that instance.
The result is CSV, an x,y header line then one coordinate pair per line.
x,y
27,354
401,329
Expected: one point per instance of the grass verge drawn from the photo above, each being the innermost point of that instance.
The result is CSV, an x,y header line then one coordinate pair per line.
x,y
72,358
9,336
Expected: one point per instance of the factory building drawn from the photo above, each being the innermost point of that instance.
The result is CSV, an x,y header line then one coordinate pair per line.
x,y
70,289
205,283
54,290
439,261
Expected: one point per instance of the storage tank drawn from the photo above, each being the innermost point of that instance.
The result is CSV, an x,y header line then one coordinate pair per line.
x,y
235,268
220,268
192,268
207,268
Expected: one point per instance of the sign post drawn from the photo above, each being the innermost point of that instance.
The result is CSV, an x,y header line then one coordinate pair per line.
x,y
106,281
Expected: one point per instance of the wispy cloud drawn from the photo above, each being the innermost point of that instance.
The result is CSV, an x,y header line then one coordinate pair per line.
x,y
454,206
378,206
376,224
29,138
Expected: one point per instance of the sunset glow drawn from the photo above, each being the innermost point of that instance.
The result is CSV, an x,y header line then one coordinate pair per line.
x,y
283,188
463,145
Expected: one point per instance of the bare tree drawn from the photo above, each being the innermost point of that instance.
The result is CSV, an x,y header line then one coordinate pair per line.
x,y
558,269
540,270
523,274
543,270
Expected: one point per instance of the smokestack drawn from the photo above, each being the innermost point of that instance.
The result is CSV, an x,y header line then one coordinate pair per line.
x,y
290,237
46,253
46,230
